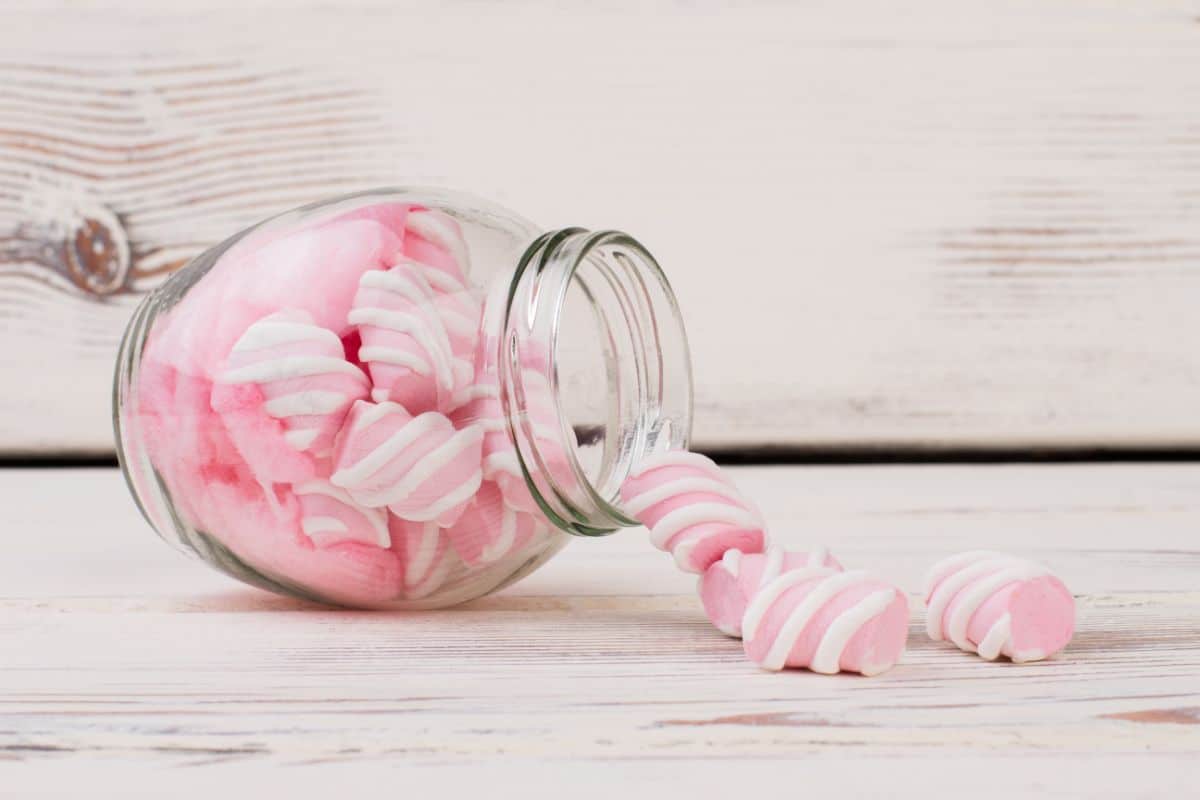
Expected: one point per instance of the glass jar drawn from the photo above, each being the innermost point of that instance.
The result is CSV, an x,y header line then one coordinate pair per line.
x,y
403,398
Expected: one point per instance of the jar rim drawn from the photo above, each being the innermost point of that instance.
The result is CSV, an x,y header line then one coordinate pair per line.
x,y
647,366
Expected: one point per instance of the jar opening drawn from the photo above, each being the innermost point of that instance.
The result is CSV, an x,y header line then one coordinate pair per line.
x,y
595,372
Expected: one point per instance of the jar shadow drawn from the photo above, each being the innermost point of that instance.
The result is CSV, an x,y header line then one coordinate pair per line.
x,y
640,611
516,628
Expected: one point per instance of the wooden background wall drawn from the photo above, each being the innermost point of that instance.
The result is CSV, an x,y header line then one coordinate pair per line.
x,y
954,224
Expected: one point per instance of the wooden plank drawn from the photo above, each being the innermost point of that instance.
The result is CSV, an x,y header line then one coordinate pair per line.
x,y
122,660
966,224
1059,775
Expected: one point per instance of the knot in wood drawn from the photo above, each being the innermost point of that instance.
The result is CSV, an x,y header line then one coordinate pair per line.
x,y
95,251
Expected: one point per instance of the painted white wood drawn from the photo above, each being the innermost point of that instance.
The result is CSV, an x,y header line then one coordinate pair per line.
x,y
950,224
123,662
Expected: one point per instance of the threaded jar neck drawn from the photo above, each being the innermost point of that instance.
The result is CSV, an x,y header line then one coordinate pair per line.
x,y
594,372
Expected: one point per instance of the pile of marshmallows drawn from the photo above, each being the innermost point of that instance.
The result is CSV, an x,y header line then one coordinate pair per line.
x,y
383,425
803,610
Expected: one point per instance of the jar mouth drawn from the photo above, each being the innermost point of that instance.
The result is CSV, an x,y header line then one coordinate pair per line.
x,y
594,371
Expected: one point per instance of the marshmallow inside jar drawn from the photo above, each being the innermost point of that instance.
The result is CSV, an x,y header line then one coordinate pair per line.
x,y
404,398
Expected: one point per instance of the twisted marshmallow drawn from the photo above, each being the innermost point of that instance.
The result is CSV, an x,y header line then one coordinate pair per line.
x,y
727,587
328,516
827,621
434,239
434,245
420,467
424,554
994,604
406,344
692,510
284,391
479,404
460,311
490,529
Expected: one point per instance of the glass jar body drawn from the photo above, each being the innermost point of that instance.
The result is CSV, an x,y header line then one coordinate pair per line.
x,y
372,402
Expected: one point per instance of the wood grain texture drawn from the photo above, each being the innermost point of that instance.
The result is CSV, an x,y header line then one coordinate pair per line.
x,y
955,224
128,668
114,171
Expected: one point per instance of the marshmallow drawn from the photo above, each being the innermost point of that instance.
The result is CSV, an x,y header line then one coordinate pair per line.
x,y
479,404
489,529
434,245
727,587
328,515
420,467
434,239
283,393
998,605
692,510
425,557
827,621
405,344
460,312
268,538
314,269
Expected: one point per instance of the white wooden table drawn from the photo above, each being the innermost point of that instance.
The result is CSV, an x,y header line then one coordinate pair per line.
x,y
127,670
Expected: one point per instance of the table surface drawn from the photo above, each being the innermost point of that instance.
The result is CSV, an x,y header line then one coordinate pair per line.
x,y
126,668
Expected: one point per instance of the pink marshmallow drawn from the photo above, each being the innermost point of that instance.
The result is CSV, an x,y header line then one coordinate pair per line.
x,y
283,393
456,302
435,239
420,467
489,529
998,605
268,538
328,516
692,510
426,558
405,344
214,492
826,621
392,216
458,305
728,585
315,270
480,405
188,444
